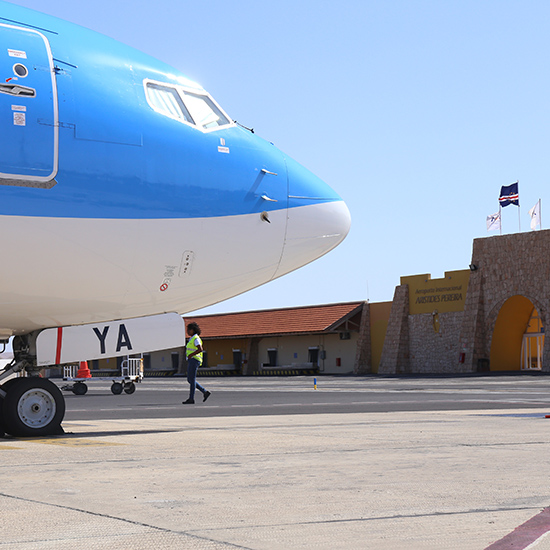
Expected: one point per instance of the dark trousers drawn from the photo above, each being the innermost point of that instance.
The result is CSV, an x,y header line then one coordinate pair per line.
x,y
192,367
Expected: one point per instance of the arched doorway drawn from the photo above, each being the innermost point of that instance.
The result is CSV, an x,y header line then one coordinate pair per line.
x,y
518,337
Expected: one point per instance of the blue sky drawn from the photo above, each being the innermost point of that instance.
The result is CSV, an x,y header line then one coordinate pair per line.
x,y
416,112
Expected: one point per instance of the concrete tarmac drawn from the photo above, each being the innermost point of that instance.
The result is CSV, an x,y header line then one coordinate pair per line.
x,y
396,480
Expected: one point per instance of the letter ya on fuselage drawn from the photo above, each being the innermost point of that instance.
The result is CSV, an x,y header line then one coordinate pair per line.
x,y
113,166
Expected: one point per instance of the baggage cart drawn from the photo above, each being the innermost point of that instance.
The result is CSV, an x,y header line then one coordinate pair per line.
x,y
131,372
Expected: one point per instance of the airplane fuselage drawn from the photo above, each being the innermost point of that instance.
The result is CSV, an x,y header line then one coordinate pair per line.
x,y
125,190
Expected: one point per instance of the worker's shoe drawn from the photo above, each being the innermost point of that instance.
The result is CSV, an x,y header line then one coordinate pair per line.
x,y
188,402
207,394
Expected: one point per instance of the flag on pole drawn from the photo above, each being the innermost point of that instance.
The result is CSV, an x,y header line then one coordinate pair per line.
x,y
493,222
509,194
535,215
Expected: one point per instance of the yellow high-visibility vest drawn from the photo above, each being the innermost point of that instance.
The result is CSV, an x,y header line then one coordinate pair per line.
x,y
192,346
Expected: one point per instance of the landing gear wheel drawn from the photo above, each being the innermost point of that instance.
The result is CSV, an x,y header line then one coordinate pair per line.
x,y
4,387
79,388
129,388
33,407
116,388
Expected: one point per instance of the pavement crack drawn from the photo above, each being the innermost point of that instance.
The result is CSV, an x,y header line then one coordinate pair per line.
x,y
382,518
124,520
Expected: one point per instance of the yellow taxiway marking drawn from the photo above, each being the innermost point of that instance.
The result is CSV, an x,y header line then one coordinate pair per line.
x,y
75,442
8,448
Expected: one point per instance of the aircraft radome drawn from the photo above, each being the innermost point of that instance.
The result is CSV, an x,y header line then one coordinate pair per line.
x,y
128,197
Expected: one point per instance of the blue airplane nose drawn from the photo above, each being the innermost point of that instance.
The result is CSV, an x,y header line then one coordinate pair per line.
x,y
318,219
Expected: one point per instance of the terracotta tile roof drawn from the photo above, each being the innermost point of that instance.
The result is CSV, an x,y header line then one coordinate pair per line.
x,y
298,320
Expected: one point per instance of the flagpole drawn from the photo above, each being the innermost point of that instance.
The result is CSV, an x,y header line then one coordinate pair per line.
x,y
540,216
519,214
500,216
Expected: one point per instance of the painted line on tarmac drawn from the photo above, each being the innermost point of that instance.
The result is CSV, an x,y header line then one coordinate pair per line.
x,y
72,442
527,535
296,404
77,442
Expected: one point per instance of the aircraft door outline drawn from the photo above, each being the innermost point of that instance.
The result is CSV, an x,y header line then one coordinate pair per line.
x,y
29,114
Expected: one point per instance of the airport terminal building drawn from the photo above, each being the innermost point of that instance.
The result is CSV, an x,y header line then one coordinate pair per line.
x,y
489,317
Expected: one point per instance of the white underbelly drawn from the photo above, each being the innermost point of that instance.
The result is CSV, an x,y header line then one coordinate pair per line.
x,y
67,271
59,272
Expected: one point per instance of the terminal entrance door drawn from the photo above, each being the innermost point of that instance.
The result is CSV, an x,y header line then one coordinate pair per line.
x,y
531,352
238,359
533,344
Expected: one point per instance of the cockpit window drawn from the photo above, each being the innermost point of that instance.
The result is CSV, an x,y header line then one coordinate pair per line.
x,y
167,101
204,111
192,107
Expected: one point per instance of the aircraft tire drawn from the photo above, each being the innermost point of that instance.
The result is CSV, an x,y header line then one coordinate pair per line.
x,y
33,407
4,387
2,429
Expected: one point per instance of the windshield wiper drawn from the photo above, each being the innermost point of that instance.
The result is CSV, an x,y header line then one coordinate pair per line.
x,y
251,130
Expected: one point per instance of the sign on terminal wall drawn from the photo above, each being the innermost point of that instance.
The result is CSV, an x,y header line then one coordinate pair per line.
x,y
444,295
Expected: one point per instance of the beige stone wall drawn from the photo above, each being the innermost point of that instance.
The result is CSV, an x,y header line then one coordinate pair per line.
x,y
395,354
363,351
432,352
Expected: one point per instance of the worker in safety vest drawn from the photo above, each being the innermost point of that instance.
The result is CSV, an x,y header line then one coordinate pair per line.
x,y
193,352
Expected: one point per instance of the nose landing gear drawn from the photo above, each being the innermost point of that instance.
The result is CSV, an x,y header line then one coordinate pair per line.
x,y
29,405
32,406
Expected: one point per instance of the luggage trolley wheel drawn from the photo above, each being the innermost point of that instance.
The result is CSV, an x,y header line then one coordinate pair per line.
x,y
129,388
116,388
79,388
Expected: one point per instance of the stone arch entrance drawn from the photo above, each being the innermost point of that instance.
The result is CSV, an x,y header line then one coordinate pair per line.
x,y
518,337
